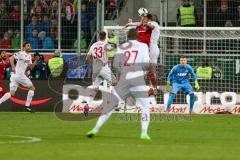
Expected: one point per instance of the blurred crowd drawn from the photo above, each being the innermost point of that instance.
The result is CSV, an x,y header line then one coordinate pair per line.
x,y
41,22
220,13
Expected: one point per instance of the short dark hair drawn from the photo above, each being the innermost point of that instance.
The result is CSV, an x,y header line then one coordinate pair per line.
x,y
102,35
132,34
183,56
25,43
149,16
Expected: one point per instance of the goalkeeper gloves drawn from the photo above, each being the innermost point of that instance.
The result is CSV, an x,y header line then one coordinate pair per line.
x,y
196,85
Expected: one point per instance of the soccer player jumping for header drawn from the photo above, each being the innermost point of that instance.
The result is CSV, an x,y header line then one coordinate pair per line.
x,y
179,78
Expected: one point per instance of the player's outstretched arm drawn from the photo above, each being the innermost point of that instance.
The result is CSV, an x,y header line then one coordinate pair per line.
x,y
31,66
132,24
12,62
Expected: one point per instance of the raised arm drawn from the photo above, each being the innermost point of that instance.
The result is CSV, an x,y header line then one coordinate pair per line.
x,y
132,24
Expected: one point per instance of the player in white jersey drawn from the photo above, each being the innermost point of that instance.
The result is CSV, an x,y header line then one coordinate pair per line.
x,y
18,77
132,59
98,55
154,50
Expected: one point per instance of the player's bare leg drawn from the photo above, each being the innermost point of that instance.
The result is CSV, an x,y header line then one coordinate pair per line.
x,y
7,96
29,99
152,79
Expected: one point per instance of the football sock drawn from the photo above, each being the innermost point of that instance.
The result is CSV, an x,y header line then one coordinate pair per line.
x,y
170,101
5,97
101,120
192,99
29,98
145,119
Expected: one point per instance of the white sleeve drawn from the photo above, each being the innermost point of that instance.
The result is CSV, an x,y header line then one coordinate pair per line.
x,y
155,24
19,56
119,51
30,59
108,47
134,24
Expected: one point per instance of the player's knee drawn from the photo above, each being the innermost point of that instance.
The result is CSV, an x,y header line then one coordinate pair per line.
x,y
12,93
31,93
32,88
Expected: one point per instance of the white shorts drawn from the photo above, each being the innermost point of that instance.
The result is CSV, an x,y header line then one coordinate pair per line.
x,y
17,80
148,100
154,54
104,74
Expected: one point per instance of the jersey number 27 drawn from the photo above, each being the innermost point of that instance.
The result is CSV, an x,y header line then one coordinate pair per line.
x,y
131,57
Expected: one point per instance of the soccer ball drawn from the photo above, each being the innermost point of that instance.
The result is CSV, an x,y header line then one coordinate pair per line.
x,y
142,11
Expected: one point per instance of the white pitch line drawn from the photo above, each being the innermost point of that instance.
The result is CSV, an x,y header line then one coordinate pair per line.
x,y
27,139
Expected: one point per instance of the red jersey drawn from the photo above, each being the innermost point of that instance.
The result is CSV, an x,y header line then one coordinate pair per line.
x,y
144,34
3,66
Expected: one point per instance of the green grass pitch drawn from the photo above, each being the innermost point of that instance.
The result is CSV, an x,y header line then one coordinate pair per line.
x,y
205,137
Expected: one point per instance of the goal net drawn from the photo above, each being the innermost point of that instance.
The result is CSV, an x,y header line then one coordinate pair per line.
x,y
214,53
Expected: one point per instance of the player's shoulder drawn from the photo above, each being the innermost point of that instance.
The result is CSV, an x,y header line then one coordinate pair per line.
x,y
29,55
176,66
189,66
18,53
140,44
155,24
95,43
93,46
